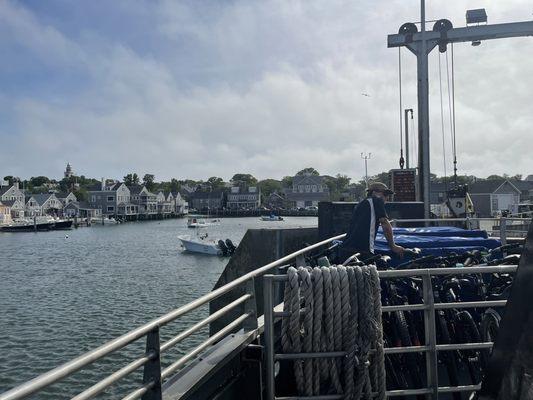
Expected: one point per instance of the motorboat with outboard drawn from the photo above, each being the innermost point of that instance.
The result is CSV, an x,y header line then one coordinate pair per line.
x,y
203,244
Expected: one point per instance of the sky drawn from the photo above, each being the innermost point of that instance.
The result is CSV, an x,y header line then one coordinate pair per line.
x,y
194,89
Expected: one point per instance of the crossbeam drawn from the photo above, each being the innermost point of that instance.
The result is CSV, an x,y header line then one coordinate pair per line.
x,y
466,34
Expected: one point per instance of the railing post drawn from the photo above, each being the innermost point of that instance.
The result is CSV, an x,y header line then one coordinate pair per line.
x,y
250,307
430,336
503,230
269,337
300,261
152,369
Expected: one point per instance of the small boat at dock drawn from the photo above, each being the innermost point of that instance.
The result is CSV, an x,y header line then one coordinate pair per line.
x,y
194,222
271,218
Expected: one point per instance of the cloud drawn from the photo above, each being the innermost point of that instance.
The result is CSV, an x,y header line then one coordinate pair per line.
x,y
260,87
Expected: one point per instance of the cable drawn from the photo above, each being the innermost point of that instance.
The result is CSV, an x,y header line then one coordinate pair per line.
x,y
402,161
442,125
453,113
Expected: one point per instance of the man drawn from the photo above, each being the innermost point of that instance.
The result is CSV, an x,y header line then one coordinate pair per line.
x,y
366,218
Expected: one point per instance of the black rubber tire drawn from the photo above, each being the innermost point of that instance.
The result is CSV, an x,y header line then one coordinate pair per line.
x,y
448,357
469,333
410,358
490,324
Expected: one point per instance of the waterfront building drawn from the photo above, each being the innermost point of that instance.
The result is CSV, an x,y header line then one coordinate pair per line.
x,y
43,204
204,201
145,200
66,198
492,197
113,199
17,207
5,213
81,209
307,190
180,204
12,192
275,201
244,198
165,203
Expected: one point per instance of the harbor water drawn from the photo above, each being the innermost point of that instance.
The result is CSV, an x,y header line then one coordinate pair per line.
x,y
63,293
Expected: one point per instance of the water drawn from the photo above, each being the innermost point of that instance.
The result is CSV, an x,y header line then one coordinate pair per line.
x,y
60,297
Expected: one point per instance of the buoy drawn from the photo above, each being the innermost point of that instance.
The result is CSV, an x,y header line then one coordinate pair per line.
x,y
66,236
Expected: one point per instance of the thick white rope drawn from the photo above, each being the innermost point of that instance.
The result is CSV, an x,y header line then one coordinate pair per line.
x,y
342,313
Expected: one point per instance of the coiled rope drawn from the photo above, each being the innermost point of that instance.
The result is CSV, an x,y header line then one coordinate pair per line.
x,y
335,309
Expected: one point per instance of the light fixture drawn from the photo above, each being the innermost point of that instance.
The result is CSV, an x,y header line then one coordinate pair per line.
x,y
477,16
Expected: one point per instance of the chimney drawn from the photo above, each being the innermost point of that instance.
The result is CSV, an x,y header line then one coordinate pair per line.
x,y
103,184
16,184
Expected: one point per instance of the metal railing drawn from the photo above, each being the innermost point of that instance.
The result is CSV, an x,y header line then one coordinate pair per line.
x,y
431,348
153,376
150,361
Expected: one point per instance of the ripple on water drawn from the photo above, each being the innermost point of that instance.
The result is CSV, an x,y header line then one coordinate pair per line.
x,y
60,298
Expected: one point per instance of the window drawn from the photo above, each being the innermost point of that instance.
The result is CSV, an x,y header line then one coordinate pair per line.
x,y
93,199
110,208
494,203
110,198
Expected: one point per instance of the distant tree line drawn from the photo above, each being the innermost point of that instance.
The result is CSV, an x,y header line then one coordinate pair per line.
x,y
339,185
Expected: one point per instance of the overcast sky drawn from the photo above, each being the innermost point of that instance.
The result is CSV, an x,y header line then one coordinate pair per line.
x,y
193,89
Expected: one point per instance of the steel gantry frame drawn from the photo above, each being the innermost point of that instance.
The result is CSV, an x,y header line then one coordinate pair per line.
x,y
421,44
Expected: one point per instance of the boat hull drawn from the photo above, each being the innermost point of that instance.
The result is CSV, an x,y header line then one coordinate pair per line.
x,y
199,246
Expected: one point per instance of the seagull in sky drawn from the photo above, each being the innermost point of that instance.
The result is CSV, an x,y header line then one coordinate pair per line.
x,y
365,94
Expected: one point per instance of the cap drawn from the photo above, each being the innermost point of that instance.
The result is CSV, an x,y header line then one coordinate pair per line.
x,y
379,187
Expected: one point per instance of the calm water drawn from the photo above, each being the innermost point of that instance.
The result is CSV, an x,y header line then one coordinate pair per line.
x,y
60,297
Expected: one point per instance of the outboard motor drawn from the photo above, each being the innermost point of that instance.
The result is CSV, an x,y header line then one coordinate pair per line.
x,y
223,247
230,246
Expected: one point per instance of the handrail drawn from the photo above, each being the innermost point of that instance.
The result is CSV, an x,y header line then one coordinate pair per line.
x,y
78,363
88,358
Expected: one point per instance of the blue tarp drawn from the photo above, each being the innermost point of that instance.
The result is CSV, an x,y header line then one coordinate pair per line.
x,y
438,241
438,231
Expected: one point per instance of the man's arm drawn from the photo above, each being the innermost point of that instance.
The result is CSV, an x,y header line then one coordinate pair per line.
x,y
387,231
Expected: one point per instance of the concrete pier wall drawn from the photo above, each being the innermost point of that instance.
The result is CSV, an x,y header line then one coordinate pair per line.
x,y
257,248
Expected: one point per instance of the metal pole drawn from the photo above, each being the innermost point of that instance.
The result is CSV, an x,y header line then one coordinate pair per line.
x,y
366,157
406,118
423,114
503,230
269,337
430,336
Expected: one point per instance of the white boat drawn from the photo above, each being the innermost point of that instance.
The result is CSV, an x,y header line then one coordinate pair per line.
x,y
200,244
271,218
203,244
104,221
194,222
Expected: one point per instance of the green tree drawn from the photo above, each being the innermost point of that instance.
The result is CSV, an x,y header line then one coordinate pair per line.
x,y
149,181
243,179
131,179
287,181
308,170
81,194
12,179
269,186
495,178
215,183
39,181
382,177
174,185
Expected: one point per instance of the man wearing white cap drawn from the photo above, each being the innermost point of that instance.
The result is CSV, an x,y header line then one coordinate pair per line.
x,y
366,218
